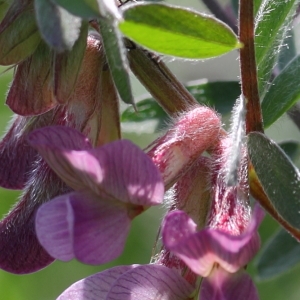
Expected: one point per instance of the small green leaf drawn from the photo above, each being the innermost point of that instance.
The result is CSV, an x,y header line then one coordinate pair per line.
x,y
283,93
273,22
281,253
115,53
58,27
278,176
86,9
177,32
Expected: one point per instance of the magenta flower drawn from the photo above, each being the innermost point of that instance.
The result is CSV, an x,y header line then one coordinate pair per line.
x,y
221,250
216,255
113,184
21,167
136,282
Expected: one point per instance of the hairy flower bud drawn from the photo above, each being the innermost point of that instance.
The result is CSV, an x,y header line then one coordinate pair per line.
x,y
192,133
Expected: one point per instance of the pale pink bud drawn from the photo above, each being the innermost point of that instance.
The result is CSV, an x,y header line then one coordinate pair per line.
x,y
192,133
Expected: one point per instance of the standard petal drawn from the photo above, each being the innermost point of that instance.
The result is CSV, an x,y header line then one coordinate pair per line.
x,y
150,282
16,156
80,226
120,170
94,287
201,250
221,285
20,251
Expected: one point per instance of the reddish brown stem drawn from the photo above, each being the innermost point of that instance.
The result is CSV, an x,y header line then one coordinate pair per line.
x,y
248,67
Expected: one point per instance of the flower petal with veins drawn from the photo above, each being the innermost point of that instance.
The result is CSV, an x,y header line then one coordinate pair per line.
x,y
94,287
150,282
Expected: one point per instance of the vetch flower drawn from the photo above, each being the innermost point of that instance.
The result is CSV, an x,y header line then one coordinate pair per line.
x,y
113,184
93,110
30,94
214,254
221,250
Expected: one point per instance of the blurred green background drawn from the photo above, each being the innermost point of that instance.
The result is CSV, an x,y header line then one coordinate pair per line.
x,y
47,284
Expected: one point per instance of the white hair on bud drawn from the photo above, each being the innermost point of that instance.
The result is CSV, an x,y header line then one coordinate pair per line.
x,y
237,138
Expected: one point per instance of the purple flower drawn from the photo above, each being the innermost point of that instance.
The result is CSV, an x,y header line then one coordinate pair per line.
x,y
230,240
215,254
136,282
21,167
113,184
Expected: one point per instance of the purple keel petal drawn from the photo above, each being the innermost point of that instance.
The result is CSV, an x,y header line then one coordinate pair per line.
x,y
118,169
20,251
201,250
80,226
150,282
221,285
16,156
94,287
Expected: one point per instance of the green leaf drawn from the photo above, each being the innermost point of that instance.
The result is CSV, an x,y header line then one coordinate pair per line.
x,y
177,32
86,9
288,52
278,176
279,254
273,22
58,27
115,53
283,93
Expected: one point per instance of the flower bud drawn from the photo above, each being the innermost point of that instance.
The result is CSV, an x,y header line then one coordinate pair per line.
x,y
193,132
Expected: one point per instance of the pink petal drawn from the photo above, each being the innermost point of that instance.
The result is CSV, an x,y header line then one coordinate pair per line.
x,y
16,156
94,287
201,250
150,282
118,169
192,133
221,285
20,251
80,226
